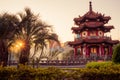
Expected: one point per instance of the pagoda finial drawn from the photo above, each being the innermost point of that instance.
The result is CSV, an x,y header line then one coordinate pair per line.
x,y
90,6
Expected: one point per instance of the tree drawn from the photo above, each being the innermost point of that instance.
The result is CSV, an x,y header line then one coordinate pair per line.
x,y
43,40
34,33
116,54
53,49
8,24
68,55
52,55
68,52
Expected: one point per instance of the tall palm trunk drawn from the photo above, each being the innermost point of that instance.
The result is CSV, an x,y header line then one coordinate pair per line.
x,y
3,54
24,55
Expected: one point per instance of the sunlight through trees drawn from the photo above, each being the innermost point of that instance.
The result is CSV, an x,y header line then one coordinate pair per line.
x,y
20,32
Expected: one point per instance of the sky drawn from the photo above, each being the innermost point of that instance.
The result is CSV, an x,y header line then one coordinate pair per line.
x,y
60,13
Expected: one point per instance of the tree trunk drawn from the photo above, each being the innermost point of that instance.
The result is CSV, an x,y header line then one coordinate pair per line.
x,y
41,54
24,55
3,53
23,58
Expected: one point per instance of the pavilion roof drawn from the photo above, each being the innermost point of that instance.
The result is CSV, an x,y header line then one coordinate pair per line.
x,y
93,41
104,28
91,15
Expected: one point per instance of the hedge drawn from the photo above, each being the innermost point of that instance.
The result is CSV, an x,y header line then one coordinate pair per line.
x,y
53,73
100,64
116,54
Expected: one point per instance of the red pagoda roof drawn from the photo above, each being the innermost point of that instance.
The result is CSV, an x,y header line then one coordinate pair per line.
x,y
92,21
93,24
79,29
91,15
93,41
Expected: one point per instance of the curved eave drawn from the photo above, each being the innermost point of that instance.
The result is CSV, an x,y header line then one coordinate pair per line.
x,y
114,41
108,28
87,25
102,41
92,16
105,28
76,29
94,41
74,43
93,24
106,18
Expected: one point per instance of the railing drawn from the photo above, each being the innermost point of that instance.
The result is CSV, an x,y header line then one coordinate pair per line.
x,y
68,62
53,62
93,37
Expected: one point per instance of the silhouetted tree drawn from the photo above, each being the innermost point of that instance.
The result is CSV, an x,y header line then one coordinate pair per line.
x,y
34,32
8,24
116,54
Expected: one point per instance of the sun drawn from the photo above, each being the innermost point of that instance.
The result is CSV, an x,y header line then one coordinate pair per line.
x,y
17,46
20,43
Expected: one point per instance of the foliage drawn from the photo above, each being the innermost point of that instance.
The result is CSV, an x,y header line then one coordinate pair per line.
x,y
8,24
22,72
35,32
98,65
68,55
26,27
54,54
116,54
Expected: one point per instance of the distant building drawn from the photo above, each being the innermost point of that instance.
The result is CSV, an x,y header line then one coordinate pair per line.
x,y
90,39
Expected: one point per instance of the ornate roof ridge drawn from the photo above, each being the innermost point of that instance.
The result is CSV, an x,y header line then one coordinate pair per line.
x,y
90,6
91,15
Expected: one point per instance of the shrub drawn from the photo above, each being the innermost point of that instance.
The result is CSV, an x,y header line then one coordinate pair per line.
x,y
53,73
116,54
99,74
98,65
25,73
8,73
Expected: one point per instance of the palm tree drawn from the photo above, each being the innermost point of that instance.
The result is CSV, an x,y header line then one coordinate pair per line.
x,y
41,43
54,54
34,32
54,50
7,29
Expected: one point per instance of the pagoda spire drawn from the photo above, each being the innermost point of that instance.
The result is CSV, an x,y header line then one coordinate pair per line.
x,y
90,6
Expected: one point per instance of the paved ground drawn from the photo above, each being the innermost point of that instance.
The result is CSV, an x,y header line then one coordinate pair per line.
x,y
65,66
59,66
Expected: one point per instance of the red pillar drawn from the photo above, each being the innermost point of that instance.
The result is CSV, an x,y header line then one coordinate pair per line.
x,y
75,51
86,51
81,50
110,50
102,50
97,51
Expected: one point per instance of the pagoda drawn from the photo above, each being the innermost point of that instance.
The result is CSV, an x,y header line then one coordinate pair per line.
x,y
90,39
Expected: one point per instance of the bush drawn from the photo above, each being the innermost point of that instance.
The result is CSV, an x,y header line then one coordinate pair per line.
x,y
108,73
101,71
53,73
116,54
98,65
8,73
